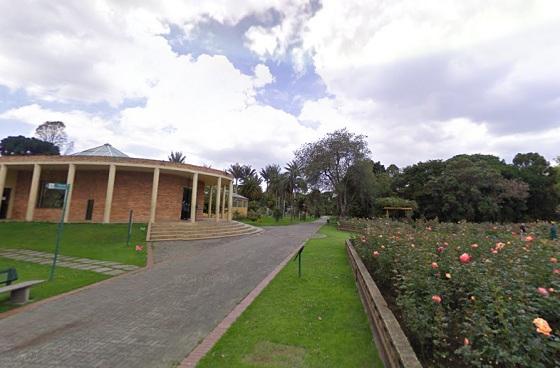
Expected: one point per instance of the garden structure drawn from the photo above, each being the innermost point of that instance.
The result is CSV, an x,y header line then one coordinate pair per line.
x,y
106,184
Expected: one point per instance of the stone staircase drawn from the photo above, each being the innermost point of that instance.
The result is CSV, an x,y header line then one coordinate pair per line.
x,y
208,229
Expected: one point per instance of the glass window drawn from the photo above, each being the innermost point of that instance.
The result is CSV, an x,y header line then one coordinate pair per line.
x,y
50,198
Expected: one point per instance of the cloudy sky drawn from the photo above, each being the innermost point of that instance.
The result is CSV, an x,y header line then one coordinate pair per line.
x,y
250,81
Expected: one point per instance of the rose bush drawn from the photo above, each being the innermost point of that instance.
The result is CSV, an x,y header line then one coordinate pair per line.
x,y
469,294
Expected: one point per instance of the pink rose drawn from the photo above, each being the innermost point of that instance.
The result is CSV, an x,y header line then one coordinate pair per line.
x,y
464,258
436,299
434,265
376,254
542,291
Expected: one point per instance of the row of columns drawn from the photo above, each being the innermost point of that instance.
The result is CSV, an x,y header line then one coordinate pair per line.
x,y
221,201
35,180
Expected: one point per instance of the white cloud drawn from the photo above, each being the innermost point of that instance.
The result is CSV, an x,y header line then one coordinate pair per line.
x,y
421,79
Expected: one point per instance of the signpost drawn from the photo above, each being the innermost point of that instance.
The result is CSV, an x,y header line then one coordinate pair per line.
x,y
298,257
129,228
65,188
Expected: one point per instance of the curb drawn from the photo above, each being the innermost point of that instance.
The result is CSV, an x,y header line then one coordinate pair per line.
x,y
209,341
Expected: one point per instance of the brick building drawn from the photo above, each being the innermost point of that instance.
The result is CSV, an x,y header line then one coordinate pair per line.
x,y
105,184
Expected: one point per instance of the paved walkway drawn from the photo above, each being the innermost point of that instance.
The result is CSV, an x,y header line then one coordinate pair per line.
x,y
151,318
95,265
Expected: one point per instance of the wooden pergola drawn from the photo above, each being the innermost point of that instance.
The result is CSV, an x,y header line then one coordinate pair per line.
x,y
407,210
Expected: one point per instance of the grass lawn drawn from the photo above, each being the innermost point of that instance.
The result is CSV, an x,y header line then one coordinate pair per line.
x,y
270,221
65,279
97,241
315,321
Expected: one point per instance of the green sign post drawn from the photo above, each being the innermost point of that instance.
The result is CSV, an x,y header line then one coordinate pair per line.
x,y
66,189
129,234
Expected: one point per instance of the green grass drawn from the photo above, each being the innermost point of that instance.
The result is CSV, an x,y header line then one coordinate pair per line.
x,y
315,321
270,221
97,241
66,279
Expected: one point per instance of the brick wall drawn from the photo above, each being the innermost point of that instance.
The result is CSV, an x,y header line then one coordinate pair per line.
x,y
21,193
133,190
89,184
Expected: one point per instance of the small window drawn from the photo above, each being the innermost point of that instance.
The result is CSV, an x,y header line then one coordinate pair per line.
x,y
50,198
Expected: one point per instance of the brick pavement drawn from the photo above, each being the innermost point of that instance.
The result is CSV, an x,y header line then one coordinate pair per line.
x,y
151,318
104,267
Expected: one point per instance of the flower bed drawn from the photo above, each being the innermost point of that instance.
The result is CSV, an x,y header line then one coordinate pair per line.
x,y
469,294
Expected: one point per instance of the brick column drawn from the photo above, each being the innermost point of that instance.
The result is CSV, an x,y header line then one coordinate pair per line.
x,y
230,201
210,201
33,191
218,197
193,197
155,188
109,195
3,175
70,181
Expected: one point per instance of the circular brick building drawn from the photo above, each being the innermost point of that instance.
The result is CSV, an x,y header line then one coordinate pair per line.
x,y
105,184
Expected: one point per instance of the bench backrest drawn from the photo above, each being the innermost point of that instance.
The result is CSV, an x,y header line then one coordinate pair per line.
x,y
7,276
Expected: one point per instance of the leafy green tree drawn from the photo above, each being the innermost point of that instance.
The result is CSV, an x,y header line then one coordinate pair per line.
x,y
325,163
465,187
20,145
177,157
536,171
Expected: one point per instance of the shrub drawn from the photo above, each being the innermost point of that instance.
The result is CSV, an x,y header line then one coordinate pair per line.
x,y
469,294
277,214
253,216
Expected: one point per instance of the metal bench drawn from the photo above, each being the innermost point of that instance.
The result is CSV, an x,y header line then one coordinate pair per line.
x,y
19,293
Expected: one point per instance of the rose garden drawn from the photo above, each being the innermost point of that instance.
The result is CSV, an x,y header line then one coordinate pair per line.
x,y
467,294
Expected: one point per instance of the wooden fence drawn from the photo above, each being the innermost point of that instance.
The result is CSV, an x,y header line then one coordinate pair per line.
x,y
392,343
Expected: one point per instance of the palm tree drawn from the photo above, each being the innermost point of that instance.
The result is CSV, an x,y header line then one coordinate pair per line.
x,y
236,171
247,171
251,187
270,173
294,181
177,157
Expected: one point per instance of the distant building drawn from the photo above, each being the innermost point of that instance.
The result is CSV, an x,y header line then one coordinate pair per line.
x,y
240,205
105,184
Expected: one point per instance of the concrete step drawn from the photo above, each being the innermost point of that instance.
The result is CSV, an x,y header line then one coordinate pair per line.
x,y
195,226
199,230
201,236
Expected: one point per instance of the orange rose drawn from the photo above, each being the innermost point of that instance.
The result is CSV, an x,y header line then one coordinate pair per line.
x,y
542,326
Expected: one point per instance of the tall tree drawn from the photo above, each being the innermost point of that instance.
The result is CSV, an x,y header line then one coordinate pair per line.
x,y
251,187
270,173
53,132
20,145
247,171
177,157
536,171
294,182
326,162
236,171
